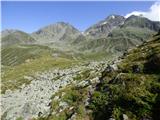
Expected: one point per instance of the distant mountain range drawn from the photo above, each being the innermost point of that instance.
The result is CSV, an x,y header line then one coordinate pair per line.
x,y
115,34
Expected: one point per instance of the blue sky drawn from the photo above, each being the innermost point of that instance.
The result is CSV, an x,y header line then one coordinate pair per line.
x,y
30,16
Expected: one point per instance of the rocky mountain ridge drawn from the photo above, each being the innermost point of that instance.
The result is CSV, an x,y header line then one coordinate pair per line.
x,y
114,34
103,28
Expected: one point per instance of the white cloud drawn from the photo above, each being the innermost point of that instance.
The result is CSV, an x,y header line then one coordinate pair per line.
x,y
152,14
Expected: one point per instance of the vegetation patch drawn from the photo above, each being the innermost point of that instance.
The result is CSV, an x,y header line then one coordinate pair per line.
x,y
133,89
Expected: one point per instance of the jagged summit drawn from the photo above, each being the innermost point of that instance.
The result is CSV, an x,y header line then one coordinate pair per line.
x,y
104,27
114,16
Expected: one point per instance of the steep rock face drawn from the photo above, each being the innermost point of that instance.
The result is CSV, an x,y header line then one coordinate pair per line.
x,y
103,28
56,32
11,37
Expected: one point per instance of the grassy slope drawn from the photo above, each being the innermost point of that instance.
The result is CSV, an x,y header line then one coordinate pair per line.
x,y
25,60
124,38
17,54
126,92
119,40
17,73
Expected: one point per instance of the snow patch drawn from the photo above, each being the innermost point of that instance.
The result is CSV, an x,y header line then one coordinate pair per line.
x,y
112,16
104,23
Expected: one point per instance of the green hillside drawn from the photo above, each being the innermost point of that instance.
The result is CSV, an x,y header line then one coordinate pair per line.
x,y
17,54
133,90
16,37
118,41
141,22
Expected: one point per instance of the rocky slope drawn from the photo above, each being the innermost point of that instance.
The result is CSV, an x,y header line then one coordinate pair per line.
x,y
36,99
104,27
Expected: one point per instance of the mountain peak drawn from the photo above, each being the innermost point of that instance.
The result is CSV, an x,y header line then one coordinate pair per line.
x,y
56,32
141,22
136,17
114,16
62,23
104,27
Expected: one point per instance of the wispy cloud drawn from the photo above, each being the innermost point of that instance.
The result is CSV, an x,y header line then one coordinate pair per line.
x,y
153,13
